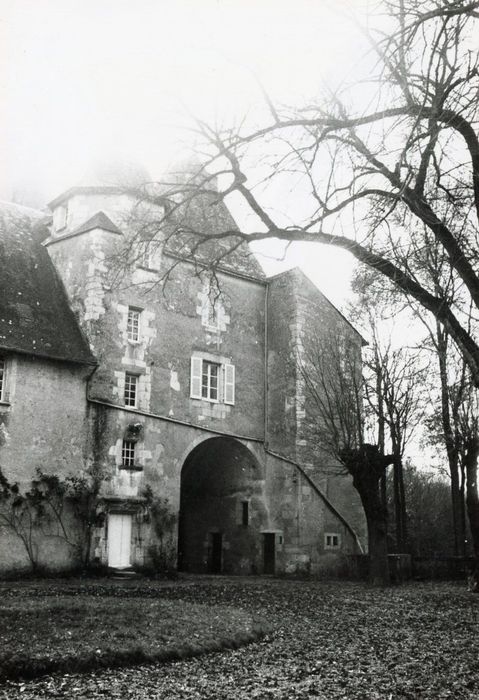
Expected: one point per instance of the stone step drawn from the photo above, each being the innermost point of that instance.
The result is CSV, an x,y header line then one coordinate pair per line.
x,y
124,574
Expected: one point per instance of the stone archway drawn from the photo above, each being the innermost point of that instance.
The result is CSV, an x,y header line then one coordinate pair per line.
x,y
222,509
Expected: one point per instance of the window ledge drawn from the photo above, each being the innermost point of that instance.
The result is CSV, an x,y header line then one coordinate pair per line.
x,y
132,467
5,403
134,342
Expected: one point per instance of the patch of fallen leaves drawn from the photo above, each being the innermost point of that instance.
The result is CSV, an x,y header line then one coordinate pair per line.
x,y
41,634
335,640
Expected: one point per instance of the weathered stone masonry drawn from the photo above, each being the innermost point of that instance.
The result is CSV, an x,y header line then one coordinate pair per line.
x,y
224,446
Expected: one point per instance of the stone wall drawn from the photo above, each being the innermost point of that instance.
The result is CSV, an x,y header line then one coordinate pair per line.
x,y
63,431
172,330
43,424
319,320
282,371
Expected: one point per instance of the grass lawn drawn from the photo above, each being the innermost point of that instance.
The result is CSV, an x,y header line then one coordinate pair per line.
x,y
41,634
327,640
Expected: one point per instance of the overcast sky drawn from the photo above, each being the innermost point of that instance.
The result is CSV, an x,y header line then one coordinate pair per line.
x,y
84,80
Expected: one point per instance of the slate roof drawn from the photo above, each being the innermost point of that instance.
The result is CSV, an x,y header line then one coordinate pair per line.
x,y
205,214
35,316
99,220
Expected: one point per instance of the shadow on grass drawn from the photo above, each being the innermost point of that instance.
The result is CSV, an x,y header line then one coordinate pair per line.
x,y
21,666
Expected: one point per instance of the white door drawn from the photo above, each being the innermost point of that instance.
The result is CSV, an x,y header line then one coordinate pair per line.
x,y
119,540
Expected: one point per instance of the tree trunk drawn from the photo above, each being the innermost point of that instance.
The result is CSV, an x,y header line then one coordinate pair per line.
x,y
378,551
463,550
450,444
367,466
397,506
472,500
402,498
383,486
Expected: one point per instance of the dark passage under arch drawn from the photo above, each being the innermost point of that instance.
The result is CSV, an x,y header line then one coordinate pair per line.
x,y
221,509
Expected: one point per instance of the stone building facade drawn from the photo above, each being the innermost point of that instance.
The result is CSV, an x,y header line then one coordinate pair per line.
x,y
186,390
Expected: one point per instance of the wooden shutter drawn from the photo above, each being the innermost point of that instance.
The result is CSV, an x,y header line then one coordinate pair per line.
x,y
195,379
229,384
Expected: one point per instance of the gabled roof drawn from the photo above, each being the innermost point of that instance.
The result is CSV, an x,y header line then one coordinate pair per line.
x,y
35,317
84,189
297,274
99,220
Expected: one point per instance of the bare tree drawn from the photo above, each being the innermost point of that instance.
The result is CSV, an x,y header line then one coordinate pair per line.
x,y
468,430
410,154
394,393
54,507
428,512
331,374
393,381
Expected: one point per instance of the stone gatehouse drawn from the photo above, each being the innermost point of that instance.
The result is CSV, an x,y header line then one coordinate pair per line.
x,y
181,390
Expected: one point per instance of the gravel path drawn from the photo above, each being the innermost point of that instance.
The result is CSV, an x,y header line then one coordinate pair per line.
x,y
336,640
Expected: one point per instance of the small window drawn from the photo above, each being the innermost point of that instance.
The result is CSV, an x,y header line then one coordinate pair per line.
x,y
131,389
3,379
212,304
61,217
245,513
128,453
144,256
332,540
209,381
213,318
133,325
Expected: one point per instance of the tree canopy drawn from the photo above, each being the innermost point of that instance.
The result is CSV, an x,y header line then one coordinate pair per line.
x,y
368,163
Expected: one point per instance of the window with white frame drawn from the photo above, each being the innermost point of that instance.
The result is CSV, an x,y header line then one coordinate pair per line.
x,y
131,389
133,324
3,379
128,453
212,381
209,380
332,540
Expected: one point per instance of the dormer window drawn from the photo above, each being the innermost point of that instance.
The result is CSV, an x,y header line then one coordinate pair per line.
x,y
144,255
61,216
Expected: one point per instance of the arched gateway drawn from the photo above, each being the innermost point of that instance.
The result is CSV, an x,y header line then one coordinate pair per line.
x,y
222,510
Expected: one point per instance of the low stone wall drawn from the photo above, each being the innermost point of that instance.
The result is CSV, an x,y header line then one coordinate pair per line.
x,y
441,568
